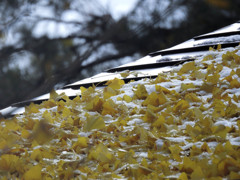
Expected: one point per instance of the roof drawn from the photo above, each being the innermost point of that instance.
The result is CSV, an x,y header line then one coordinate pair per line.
x,y
179,118
148,66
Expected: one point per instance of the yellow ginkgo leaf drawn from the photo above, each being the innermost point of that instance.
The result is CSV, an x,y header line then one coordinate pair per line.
x,y
109,92
125,74
192,97
175,151
234,83
185,87
8,162
41,132
187,67
86,94
197,173
34,173
109,107
162,89
32,108
181,105
94,122
95,104
82,142
127,98
115,83
183,176
141,92
213,79
101,153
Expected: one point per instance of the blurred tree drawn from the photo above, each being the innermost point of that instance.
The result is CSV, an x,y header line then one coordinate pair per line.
x,y
208,15
49,42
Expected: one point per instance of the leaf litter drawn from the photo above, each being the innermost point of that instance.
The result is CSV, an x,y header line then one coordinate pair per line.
x,y
184,124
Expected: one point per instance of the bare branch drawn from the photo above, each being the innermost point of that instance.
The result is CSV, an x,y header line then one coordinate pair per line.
x,y
39,18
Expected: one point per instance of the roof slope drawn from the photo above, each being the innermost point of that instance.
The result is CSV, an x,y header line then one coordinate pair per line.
x,y
148,66
179,122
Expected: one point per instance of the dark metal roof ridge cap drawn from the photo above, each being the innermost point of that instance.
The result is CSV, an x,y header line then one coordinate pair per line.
x,y
217,35
149,66
218,32
192,49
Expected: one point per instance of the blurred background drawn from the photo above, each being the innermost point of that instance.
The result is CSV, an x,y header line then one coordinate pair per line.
x,y
45,44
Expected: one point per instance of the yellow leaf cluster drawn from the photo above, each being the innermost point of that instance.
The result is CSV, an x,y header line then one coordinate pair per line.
x,y
185,126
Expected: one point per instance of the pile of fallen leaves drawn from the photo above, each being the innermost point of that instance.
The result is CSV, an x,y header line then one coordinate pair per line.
x,y
185,124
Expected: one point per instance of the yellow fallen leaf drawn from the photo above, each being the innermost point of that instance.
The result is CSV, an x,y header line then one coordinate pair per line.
x,y
115,83
32,108
127,98
181,106
187,67
109,107
86,94
48,117
82,142
94,122
125,73
234,83
187,165
185,87
175,151
162,89
9,162
34,173
197,173
205,148
109,92
192,97
55,96
183,176
96,104
25,133
141,92
41,132
213,79
234,175
101,153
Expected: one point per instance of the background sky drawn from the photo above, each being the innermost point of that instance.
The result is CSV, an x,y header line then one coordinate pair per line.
x,y
117,7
